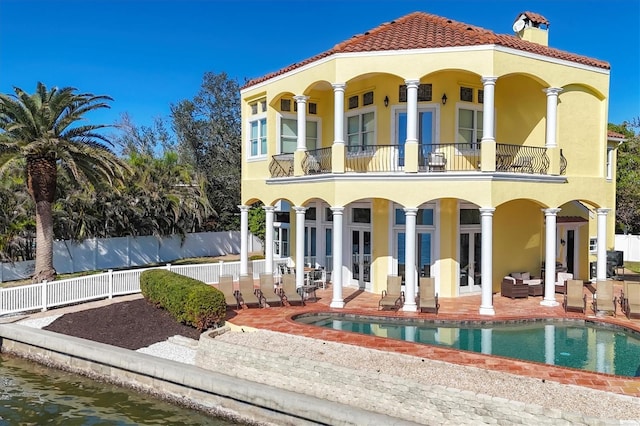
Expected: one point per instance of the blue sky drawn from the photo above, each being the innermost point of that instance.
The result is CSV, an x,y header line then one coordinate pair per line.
x,y
148,54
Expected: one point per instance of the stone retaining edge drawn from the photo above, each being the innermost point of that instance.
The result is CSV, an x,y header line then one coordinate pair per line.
x,y
189,385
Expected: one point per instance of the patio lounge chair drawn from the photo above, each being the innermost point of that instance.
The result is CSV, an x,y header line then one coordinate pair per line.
x,y
393,296
514,288
225,285
289,290
603,299
428,296
574,298
631,296
247,293
268,291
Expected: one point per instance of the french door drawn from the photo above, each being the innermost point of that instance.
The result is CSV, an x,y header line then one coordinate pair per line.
x,y
426,132
361,257
423,254
470,260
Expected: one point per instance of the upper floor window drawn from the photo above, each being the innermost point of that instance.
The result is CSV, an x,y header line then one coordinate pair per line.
x,y
289,135
360,131
258,137
425,93
470,126
609,163
423,217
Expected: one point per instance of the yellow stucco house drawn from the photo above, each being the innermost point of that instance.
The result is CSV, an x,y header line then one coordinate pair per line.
x,y
427,146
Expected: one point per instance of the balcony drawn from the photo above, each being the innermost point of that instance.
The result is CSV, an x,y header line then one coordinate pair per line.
x,y
432,159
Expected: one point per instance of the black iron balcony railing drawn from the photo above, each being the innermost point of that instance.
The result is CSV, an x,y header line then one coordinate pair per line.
x,y
281,165
449,157
374,158
521,159
563,164
317,161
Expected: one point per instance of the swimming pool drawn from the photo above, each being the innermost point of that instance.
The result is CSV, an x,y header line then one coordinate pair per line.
x,y
589,346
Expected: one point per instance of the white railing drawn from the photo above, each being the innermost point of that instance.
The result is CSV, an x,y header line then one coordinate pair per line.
x,y
105,285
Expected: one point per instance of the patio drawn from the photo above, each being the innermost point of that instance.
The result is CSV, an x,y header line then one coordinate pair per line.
x,y
465,307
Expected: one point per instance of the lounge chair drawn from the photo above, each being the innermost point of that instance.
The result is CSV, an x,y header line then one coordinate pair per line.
x,y
428,296
604,300
393,296
631,296
268,291
574,298
289,290
247,294
225,285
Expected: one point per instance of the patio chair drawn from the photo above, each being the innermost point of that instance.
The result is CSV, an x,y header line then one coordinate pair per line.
x,y
289,290
225,285
393,296
436,162
631,299
319,278
268,291
247,293
603,299
428,296
574,298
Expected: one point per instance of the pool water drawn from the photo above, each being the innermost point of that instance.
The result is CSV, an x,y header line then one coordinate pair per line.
x,y
566,343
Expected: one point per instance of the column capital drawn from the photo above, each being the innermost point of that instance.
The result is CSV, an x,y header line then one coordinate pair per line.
x,y
301,98
410,211
412,83
337,210
338,87
486,211
603,211
550,212
269,208
489,80
552,91
243,208
299,209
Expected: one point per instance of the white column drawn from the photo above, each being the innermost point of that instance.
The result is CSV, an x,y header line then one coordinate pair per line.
x,y
268,239
410,333
336,275
300,211
410,260
338,113
601,265
488,117
302,122
550,257
412,110
244,239
549,344
486,221
552,114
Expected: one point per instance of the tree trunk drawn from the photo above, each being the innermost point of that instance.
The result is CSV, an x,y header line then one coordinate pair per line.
x,y
41,183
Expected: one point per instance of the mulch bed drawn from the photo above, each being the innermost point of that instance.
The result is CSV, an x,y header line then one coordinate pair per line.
x,y
130,325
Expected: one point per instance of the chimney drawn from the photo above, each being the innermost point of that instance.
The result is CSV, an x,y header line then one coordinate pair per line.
x,y
532,27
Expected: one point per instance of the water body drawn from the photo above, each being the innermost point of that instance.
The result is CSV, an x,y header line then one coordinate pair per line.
x,y
576,344
33,394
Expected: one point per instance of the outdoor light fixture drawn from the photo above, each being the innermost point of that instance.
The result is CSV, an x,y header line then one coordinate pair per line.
x,y
386,101
444,99
562,242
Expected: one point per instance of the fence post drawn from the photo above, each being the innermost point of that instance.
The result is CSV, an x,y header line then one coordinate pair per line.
x,y
44,296
168,267
110,283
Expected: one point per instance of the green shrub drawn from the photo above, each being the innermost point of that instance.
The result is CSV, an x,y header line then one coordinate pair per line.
x,y
188,300
256,257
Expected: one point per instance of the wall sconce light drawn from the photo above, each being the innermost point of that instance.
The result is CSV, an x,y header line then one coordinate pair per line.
x,y
444,99
386,101
562,242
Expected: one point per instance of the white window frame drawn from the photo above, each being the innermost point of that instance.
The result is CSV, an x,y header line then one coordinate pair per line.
x,y
261,120
593,244
316,120
476,108
609,163
360,113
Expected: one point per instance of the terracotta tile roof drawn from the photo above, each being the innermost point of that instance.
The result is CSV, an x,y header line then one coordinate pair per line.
x,y
535,18
419,30
570,219
615,135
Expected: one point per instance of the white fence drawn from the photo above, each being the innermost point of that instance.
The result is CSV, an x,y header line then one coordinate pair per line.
x,y
95,254
630,245
105,285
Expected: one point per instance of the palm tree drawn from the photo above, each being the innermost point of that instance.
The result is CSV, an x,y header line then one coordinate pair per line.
x,y
44,132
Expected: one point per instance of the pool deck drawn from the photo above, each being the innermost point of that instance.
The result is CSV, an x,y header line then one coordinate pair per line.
x,y
462,308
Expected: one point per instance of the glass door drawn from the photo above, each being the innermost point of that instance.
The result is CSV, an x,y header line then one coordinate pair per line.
x,y
423,254
426,132
361,257
470,261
